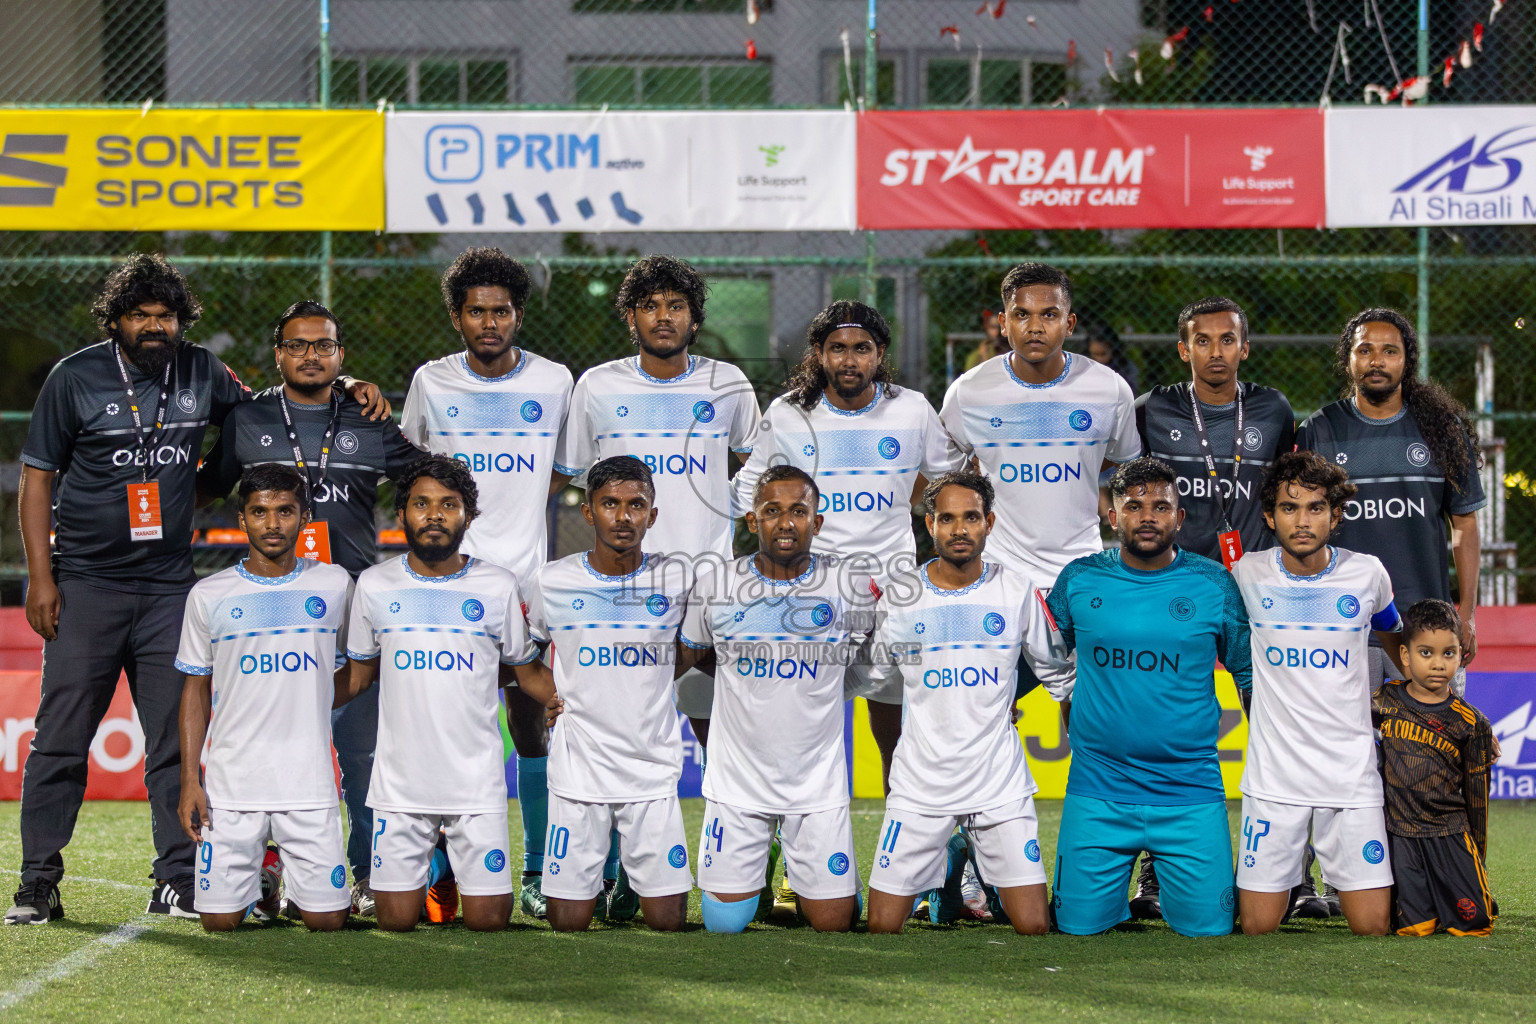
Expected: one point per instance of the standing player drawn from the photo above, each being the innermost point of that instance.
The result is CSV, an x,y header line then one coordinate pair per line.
x,y
1436,751
431,628
612,614
959,761
784,624
1311,750
260,642
1411,450
868,444
342,455
499,409
682,415
1219,434
1148,622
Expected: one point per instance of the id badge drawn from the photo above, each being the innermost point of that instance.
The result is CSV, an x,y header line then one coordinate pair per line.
x,y
315,541
144,511
1231,548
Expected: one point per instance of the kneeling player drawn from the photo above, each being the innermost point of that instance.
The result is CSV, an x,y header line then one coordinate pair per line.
x,y
784,624
260,640
431,627
1437,751
1311,752
617,751
959,761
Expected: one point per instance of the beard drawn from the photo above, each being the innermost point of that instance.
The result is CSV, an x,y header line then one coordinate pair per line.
x,y
1378,394
432,551
310,388
150,360
1147,551
664,348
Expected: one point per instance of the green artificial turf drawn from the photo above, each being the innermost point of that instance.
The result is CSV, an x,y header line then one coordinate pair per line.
x,y
90,967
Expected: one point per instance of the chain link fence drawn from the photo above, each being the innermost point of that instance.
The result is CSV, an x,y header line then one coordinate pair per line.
x,y
1298,286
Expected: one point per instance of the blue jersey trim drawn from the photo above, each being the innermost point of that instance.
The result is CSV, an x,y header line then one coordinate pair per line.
x,y
269,581
355,656
879,394
693,363
1008,365
522,361
752,564
1387,620
645,562
272,632
689,643
436,629
405,562
1333,561
193,670
570,471
1323,629
988,570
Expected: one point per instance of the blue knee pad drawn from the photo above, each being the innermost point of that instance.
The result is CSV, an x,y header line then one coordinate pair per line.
x,y
730,918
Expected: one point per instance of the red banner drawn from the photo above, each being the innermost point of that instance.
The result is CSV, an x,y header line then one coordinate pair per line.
x,y
990,169
117,752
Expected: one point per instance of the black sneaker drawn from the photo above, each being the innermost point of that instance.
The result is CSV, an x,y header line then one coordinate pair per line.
x,y
174,898
1146,905
36,903
1331,898
1305,902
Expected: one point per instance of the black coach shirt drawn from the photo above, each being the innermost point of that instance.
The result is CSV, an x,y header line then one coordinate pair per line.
x,y
362,452
83,429
1166,422
1399,513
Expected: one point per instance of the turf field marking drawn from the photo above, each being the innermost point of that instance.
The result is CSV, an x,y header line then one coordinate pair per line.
x,y
79,960
111,882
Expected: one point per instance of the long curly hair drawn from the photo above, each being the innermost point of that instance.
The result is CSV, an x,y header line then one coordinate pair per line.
x,y
1447,429
808,381
145,277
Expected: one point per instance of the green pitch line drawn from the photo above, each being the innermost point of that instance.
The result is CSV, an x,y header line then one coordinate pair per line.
x,y
107,960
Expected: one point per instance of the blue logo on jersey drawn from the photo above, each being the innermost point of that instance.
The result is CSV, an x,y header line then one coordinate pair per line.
x,y
888,447
339,877
495,861
531,411
473,610
1418,453
1228,899
394,606
703,412
656,604
1373,851
1181,608
236,612
315,606
1079,419
622,410
821,614
992,623
920,628
677,856
578,604
997,421
453,411
838,863
1349,606
809,450
1032,850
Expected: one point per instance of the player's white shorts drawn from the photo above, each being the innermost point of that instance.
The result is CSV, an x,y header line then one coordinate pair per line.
x,y
652,847
477,851
235,843
1351,845
912,856
694,694
817,847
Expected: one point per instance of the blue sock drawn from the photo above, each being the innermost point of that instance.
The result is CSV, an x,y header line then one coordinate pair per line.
x,y
533,800
858,902
437,867
730,918
611,865
703,763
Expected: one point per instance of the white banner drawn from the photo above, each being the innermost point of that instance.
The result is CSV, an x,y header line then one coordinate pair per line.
x,y
591,171
1431,165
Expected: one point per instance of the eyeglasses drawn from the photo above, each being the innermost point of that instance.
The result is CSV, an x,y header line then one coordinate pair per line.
x,y
298,346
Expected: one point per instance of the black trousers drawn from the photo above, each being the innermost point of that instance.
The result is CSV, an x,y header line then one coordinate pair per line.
x,y
104,629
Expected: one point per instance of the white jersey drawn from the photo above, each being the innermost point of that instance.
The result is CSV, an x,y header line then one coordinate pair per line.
x,y
1310,739
776,734
865,464
615,644
684,429
505,430
271,646
439,641
957,650
1043,446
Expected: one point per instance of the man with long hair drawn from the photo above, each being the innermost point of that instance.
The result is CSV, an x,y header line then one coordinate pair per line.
x,y
1412,451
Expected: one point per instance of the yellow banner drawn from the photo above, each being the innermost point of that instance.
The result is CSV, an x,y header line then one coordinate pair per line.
x,y
191,170
1049,752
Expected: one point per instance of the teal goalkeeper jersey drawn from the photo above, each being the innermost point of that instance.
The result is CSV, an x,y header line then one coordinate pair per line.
x,y
1145,719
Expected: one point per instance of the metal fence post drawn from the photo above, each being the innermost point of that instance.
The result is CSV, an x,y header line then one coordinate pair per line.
x,y
326,253
1423,282
871,97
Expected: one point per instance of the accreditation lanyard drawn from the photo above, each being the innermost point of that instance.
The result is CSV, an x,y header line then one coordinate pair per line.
x,y
1210,457
145,446
325,442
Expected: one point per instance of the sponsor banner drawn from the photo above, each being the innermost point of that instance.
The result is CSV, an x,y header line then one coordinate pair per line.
x,y
591,171
116,763
1091,169
240,170
1431,165
1506,698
